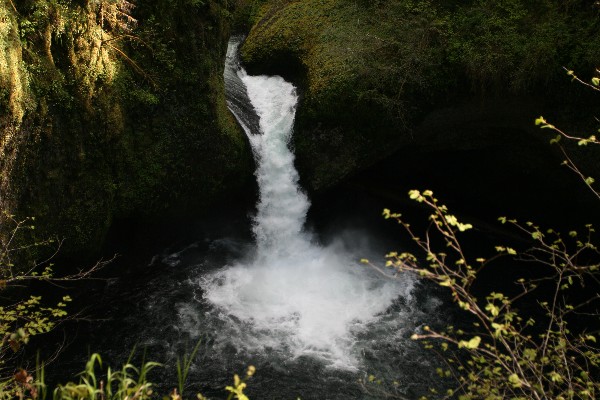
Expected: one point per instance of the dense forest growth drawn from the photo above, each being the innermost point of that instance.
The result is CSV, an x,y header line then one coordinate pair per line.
x,y
114,110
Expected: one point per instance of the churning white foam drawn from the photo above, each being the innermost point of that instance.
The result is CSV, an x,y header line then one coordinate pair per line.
x,y
293,296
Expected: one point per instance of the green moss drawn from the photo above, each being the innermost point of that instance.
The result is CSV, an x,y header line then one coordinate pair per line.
x,y
15,97
129,118
351,66
369,71
518,45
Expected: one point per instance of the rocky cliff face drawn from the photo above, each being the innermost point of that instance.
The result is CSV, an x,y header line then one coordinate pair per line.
x,y
380,77
114,109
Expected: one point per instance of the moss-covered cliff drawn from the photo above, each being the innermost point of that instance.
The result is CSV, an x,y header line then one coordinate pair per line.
x,y
371,72
114,109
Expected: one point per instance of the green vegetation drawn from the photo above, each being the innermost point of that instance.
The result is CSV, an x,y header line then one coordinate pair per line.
x,y
370,71
24,314
540,341
95,382
508,352
128,383
114,109
183,368
581,141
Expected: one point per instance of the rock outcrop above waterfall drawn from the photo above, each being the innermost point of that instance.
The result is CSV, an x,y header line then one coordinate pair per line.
x,y
376,77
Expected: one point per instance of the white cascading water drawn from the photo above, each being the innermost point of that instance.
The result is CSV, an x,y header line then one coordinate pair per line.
x,y
293,296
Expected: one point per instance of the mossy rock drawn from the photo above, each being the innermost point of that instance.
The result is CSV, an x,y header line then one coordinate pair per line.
x,y
370,72
126,116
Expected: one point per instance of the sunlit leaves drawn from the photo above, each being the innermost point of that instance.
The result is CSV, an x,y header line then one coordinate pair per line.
x,y
541,122
529,354
416,195
238,388
507,250
470,344
453,221
590,338
514,380
387,214
492,309
585,142
505,355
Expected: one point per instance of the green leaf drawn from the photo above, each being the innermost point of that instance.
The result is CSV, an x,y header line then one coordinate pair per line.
x,y
471,344
414,194
514,380
530,354
556,377
590,338
493,309
446,283
464,227
452,220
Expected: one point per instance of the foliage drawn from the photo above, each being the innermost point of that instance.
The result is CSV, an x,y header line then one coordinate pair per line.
x,y
384,50
95,382
508,352
104,108
128,383
581,141
183,367
511,353
237,390
15,96
381,66
24,314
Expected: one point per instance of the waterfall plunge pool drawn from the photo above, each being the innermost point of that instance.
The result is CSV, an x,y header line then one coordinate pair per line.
x,y
295,303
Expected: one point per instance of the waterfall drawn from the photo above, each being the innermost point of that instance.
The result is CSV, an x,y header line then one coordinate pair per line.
x,y
282,206
291,296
